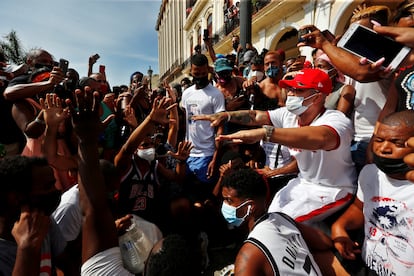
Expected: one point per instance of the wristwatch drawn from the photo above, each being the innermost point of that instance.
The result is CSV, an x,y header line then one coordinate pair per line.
x,y
269,131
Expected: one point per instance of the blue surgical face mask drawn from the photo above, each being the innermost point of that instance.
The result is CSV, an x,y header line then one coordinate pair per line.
x,y
272,71
230,213
295,105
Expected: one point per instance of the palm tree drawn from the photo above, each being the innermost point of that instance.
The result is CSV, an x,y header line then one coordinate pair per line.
x,y
12,48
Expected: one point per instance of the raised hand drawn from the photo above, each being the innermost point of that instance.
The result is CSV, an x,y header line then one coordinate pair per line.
x,y
56,76
31,228
129,116
53,112
183,151
170,92
404,35
160,110
314,39
85,117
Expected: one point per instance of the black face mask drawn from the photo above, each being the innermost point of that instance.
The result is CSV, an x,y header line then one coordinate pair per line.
x,y
200,83
46,203
235,45
391,166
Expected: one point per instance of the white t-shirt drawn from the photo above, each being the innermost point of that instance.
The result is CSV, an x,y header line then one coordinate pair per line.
x,y
271,149
283,245
68,215
389,222
105,263
208,100
369,100
326,176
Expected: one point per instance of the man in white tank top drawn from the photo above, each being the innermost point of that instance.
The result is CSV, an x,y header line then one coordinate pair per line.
x,y
276,244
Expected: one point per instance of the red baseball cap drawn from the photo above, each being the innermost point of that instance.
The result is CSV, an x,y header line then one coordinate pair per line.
x,y
309,79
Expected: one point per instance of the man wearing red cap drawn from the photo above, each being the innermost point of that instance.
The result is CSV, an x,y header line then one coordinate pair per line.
x,y
318,138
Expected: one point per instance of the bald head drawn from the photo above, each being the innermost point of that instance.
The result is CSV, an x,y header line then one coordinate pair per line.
x,y
401,119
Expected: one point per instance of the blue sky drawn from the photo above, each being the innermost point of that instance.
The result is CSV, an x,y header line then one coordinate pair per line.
x,y
122,32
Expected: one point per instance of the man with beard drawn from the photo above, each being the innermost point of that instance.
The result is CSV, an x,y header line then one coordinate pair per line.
x,y
202,98
29,238
268,94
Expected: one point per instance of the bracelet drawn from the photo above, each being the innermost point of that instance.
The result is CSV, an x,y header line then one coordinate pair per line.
x,y
228,116
269,132
39,121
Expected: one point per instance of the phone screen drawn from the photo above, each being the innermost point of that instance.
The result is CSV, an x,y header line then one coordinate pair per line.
x,y
373,46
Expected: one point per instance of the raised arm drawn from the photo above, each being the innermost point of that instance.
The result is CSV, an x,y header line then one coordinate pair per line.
x,y
98,230
344,61
29,232
54,115
28,90
174,121
158,115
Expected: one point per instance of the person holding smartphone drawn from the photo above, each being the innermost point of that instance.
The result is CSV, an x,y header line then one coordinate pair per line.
x,y
348,63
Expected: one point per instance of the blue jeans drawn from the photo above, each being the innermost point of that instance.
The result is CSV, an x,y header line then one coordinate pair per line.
x,y
359,154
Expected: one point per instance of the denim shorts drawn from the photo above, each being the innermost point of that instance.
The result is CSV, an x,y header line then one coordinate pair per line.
x,y
199,166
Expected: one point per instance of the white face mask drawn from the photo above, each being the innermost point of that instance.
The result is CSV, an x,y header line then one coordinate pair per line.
x,y
258,74
328,72
147,154
294,104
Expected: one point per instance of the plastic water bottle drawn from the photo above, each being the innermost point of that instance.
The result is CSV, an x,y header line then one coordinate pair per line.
x,y
130,251
135,247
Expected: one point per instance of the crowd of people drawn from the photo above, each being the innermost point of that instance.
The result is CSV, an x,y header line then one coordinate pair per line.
x,y
305,167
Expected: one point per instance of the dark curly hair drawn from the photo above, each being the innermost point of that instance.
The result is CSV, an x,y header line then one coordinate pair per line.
x,y
177,256
16,176
247,182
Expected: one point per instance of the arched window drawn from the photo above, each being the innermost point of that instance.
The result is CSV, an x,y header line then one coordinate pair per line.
x,y
210,25
199,35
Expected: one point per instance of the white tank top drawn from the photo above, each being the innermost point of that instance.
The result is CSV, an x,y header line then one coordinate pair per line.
x,y
277,236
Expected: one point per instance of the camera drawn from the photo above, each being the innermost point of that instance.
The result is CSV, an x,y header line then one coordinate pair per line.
x,y
301,33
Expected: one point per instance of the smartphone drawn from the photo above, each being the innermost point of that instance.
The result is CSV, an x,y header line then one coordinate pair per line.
x,y
64,65
301,33
365,42
96,57
328,35
102,69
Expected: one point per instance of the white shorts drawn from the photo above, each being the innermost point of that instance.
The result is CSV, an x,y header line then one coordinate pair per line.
x,y
309,202
105,263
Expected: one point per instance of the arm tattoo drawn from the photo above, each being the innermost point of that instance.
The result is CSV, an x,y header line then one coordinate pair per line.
x,y
244,117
